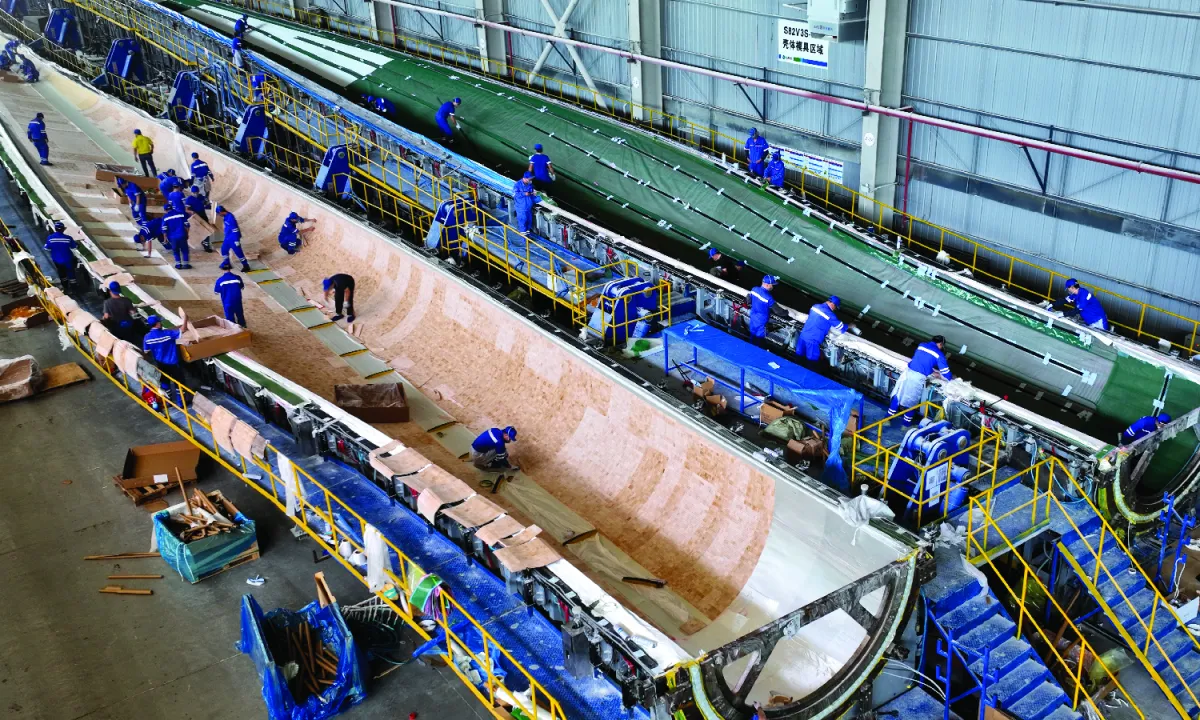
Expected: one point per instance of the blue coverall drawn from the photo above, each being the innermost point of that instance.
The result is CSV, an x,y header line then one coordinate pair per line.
x,y
201,176
1091,312
160,344
541,167
168,184
198,205
1140,428
176,225
231,241
775,171
756,150
239,27
820,321
524,198
443,117
761,302
29,71
60,246
229,287
151,229
927,359
37,135
137,199
175,200
289,234
491,440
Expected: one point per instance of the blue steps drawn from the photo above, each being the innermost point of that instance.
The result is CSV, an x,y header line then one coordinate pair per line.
x,y
1010,508
916,704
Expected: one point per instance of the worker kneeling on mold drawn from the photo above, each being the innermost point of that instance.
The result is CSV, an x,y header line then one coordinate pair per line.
x,y
776,171
489,452
822,318
1081,301
928,359
1145,426
290,235
29,71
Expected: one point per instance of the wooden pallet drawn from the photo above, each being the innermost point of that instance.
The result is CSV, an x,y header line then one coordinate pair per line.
x,y
250,555
143,495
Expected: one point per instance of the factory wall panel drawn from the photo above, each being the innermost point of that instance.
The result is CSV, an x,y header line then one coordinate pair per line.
x,y
1122,83
603,22
441,30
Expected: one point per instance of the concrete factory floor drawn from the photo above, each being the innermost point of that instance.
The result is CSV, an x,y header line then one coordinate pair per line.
x,y
67,651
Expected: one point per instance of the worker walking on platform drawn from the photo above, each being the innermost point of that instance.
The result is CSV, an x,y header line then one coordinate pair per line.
x,y
143,152
36,132
197,205
60,245
118,313
776,172
756,152
1082,301
761,302
489,452
229,286
176,226
290,233
928,359
341,287
1144,426
446,119
524,198
202,176
541,167
231,239
822,318
725,266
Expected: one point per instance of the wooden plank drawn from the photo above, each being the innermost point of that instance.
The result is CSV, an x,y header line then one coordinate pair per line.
x,y
135,577
62,375
118,590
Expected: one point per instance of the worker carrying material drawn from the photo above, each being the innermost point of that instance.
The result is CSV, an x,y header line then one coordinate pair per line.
x,y
143,152
169,182
176,227
725,266
160,344
761,302
36,132
118,313
822,318
197,205
489,451
29,71
229,286
60,245
341,286
524,198
202,176
540,166
756,152
1145,426
231,239
776,171
290,233
1082,301
137,198
929,358
446,119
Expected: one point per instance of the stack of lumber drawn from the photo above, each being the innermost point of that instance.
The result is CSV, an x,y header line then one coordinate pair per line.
x,y
201,520
316,663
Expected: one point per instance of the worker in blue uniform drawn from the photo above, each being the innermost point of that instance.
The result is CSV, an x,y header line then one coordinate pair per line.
x,y
176,226
60,245
761,302
489,451
524,198
29,71
756,152
822,318
725,266
775,170
168,182
289,234
445,118
229,286
928,359
231,239
196,204
540,166
149,230
137,197
241,25
1144,426
202,175
1084,302
7,58
36,132
236,48
160,344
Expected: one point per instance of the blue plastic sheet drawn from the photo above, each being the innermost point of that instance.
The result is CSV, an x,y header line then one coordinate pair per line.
x,y
695,349
196,560
260,632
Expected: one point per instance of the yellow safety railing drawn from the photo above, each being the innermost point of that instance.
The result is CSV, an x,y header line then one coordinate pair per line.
x,y
180,398
932,491
999,266
1072,678
1047,474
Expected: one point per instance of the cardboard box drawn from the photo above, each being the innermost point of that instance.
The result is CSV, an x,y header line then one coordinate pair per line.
x,y
715,404
376,403
771,410
228,336
108,172
144,462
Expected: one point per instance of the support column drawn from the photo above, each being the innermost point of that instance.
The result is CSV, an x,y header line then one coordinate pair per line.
x,y
887,32
645,38
491,41
381,19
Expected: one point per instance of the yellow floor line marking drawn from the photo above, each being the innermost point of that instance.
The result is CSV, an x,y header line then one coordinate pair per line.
x,y
352,353
381,373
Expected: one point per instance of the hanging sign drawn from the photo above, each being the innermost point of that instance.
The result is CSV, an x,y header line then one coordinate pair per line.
x,y
813,164
797,44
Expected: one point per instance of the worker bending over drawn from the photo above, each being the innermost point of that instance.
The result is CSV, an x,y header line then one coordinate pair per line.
x,y
1144,426
756,152
197,205
341,286
176,227
524,198
60,246
149,230
446,119
36,132
118,313
724,266
241,26
290,233
202,176
136,196
489,451
29,71
929,358
231,240
160,344
541,167
822,318
761,302
229,286
1079,298
776,171
143,152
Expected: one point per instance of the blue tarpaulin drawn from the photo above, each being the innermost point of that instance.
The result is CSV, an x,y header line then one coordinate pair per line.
x,y
694,349
262,632
198,559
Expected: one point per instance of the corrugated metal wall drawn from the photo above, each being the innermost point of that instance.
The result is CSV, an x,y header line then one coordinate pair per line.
x,y
1123,83
604,22
441,30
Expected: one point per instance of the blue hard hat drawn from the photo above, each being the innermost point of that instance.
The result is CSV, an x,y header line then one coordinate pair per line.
x,y
327,283
1164,418
837,301
195,188
58,225
527,176
769,280
511,432
114,286
1072,283
294,216
457,101
538,147
196,155
219,209
713,252
153,320
137,132
753,131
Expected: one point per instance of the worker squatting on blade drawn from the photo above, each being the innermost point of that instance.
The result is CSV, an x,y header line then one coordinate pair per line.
x,y
36,132
229,286
341,286
291,234
928,359
489,451
725,266
541,167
